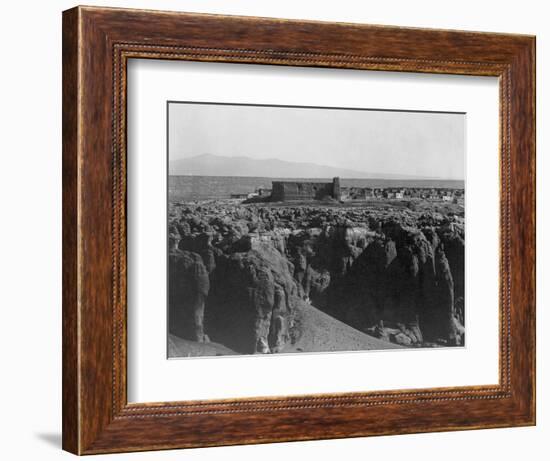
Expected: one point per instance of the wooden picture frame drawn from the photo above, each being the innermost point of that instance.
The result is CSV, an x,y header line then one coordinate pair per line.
x,y
97,43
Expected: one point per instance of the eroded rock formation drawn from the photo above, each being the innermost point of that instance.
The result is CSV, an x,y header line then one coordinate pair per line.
x,y
237,273
189,285
252,300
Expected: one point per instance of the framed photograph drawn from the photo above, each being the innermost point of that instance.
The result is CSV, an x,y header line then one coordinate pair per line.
x,y
282,230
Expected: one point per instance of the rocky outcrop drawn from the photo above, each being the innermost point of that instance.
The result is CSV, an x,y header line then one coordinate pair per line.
x,y
403,279
452,238
189,285
252,302
398,275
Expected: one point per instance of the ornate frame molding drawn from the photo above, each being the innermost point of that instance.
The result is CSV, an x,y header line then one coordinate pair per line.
x,y
97,45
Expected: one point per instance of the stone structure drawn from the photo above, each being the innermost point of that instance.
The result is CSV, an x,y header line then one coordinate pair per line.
x,y
289,190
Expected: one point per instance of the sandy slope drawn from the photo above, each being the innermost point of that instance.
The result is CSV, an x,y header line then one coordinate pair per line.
x,y
178,347
325,333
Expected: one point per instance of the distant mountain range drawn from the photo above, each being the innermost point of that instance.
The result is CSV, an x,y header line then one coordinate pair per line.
x,y
216,165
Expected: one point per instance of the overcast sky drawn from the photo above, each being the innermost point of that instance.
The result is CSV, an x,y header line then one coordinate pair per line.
x,y
404,143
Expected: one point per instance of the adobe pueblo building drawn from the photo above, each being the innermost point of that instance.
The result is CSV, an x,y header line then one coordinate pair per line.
x,y
283,191
288,191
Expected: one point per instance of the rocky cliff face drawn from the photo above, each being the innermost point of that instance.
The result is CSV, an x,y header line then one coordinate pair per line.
x,y
252,301
238,273
189,285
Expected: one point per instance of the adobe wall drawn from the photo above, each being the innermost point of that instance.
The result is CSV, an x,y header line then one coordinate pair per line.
x,y
287,190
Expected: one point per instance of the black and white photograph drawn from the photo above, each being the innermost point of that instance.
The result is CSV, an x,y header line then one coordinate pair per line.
x,y
313,229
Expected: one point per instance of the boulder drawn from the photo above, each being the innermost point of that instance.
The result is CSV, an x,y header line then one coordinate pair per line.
x,y
188,287
252,301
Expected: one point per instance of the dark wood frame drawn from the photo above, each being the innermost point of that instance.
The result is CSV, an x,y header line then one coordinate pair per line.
x,y
97,43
